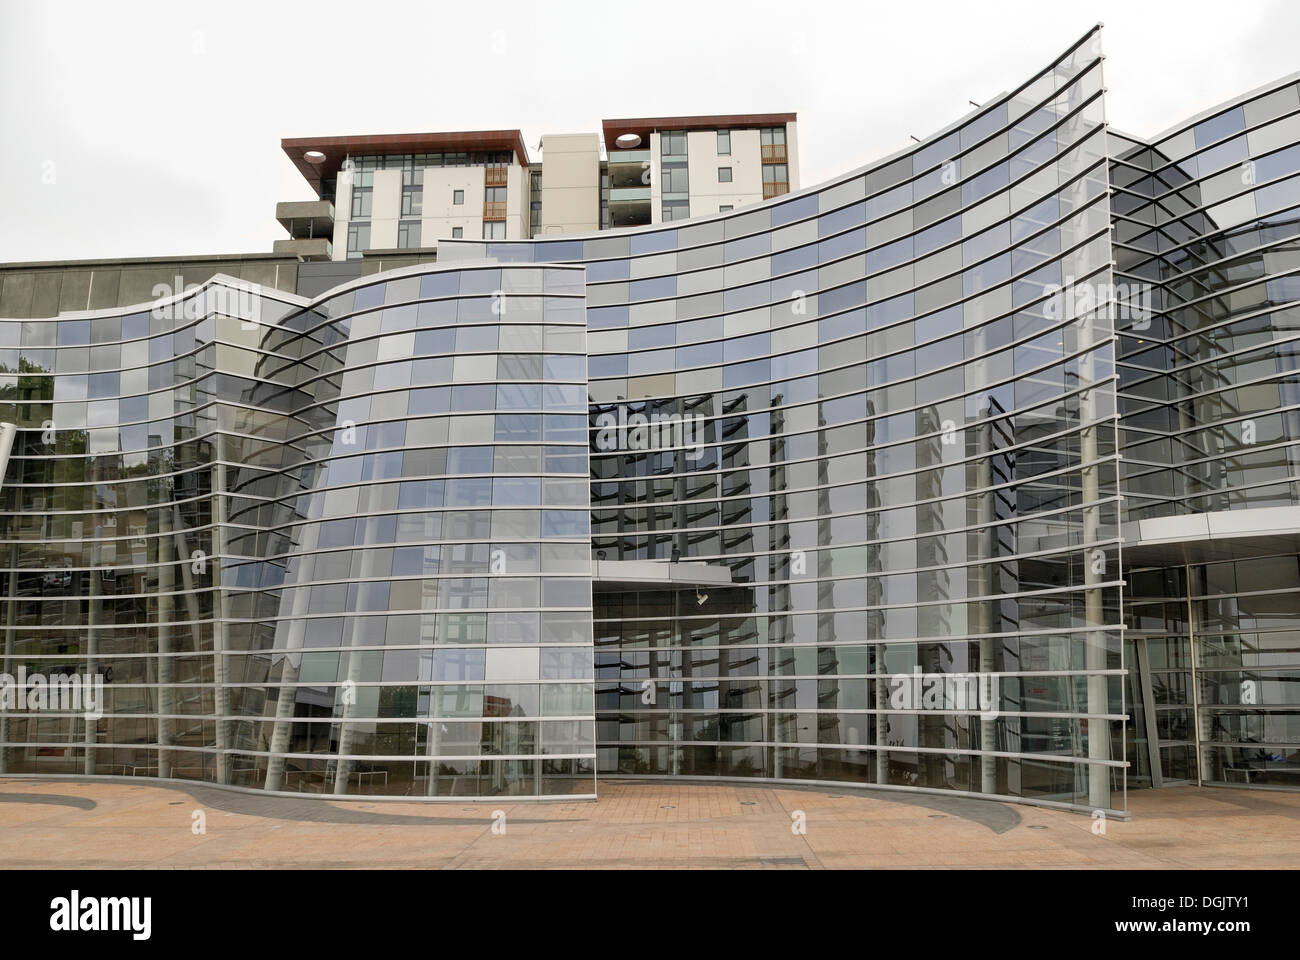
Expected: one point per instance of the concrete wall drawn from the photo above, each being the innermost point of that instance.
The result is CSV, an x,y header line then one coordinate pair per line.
x,y
440,214
342,212
570,183
792,149
386,209
50,288
703,161
516,203
656,179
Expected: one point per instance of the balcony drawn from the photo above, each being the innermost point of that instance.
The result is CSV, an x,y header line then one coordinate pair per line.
x,y
494,210
776,188
495,176
637,157
628,174
773,152
306,248
629,206
306,218
629,195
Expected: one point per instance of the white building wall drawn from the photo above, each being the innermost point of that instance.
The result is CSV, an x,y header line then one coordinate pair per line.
x,y
342,213
516,202
386,205
792,149
570,183
657,180
703,162
441,214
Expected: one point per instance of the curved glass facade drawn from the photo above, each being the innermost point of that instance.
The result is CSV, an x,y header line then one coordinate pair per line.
x,y
829,489
1208,215
339,548
909,465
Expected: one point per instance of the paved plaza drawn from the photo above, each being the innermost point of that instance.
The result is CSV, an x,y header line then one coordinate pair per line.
x,y
634,824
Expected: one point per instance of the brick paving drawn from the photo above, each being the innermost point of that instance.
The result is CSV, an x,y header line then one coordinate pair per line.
x,y
634,825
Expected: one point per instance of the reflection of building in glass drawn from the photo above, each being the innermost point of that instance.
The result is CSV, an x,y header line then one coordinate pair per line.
x,y
375,541
1208,214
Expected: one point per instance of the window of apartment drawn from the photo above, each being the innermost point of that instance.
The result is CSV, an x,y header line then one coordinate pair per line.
x,y
724,174
776,179
674,178
458,197
358,239
534,203
494,229
672,143
412,191
408,233
724,208
457,232
363,189
724,143
494,204
772,144
676,210
676,183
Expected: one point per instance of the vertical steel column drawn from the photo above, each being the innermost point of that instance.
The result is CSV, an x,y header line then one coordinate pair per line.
x,y
92,649
1148,711
983,576
347,730
1196,677
11,612
1094,574
8,432
221,612
286,696
166,615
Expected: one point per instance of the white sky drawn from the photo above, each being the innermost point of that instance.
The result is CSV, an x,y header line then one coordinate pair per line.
x,y
160,123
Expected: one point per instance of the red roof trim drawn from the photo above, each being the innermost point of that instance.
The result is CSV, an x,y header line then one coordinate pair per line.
x,y
337,148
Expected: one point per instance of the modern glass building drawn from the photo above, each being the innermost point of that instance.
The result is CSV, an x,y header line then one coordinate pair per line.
x,y
934,477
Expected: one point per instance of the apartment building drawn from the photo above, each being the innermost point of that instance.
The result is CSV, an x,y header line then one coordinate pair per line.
x,y
662,169
405,192
402,192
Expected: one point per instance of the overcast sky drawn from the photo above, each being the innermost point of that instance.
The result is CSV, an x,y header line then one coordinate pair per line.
x,y
153,129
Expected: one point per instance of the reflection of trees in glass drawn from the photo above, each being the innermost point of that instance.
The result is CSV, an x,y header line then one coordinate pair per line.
x,y
33,385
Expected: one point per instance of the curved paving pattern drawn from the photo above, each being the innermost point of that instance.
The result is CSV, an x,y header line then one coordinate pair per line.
x,y
639,825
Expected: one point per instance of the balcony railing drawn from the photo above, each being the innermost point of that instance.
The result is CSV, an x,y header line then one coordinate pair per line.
x,y
494,210
495,176
629,195
773,152
308,248
775,189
